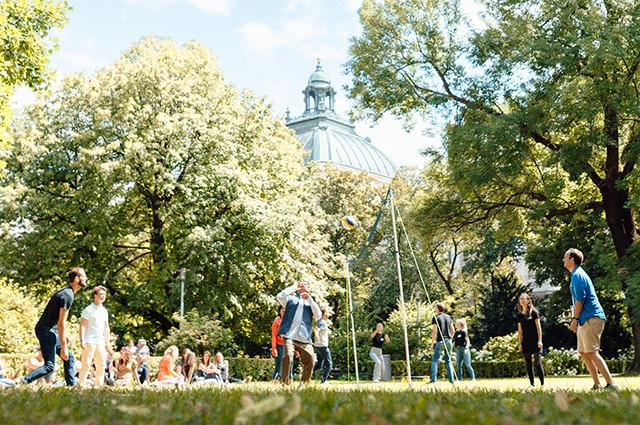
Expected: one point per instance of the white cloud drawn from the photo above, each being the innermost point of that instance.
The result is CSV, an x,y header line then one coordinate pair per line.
x,y
212,7
259,38
353,4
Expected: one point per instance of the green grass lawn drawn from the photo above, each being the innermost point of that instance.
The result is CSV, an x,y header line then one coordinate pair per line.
x,y
496,401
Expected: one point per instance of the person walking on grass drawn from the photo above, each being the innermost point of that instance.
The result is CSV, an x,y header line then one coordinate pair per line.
x,y
295,330
378,338
51,330
530,338
441,333
94,337
463,349
323,354
588,319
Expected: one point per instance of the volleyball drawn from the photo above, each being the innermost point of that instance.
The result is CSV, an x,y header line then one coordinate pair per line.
x,y
348,222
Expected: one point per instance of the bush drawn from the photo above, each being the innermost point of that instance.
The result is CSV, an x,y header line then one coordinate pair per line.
x,y
200,334
503,348
20,312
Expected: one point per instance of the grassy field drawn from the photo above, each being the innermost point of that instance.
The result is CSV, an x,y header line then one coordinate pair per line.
x,y
508,401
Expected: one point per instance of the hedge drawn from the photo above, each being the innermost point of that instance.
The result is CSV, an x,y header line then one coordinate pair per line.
x,y
261,369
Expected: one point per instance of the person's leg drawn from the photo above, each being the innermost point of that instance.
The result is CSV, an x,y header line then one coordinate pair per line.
x,y
467,363
87,360
529,366
377,363
437,351
539,371
447,360
328,365
459,359
586,347
598,364
287,361
319,358
100,358
47,339
278,360
307,357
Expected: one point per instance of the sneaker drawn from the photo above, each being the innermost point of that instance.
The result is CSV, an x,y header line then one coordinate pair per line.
x,y
596,387
375,381
611,387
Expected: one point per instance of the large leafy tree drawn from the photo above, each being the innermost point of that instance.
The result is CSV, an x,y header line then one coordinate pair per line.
x,y
544,105
153,164
25,46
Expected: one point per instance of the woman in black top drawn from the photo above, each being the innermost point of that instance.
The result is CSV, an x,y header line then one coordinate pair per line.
x,y
530,337
463,349
378,337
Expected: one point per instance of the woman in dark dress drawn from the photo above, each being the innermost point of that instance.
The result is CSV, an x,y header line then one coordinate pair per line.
x,y
530,337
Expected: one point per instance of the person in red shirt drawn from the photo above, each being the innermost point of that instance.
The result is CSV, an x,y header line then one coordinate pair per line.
x,y
277,344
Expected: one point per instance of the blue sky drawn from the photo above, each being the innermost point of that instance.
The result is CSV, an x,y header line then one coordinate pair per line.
x,y
267,46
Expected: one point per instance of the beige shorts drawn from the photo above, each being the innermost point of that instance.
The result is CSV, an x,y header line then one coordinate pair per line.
x,y
589,334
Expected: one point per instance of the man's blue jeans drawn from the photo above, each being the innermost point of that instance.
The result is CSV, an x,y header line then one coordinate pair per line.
x,y
439,350
50,346
463,354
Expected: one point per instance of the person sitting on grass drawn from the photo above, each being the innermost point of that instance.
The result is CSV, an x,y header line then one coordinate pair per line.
x,y
222,365
187,365
126,369
4,381
142,353
206,370
167,373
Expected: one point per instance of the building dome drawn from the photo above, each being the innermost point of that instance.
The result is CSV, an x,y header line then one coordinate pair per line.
x,y
319,77
332,140
338,144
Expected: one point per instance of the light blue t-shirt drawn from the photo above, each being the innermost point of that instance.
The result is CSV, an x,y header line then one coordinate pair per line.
x,y
582,290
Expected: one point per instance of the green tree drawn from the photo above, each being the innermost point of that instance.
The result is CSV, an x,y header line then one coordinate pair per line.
x,y
153,164
25,27
543,103
20,312
498,307
199,334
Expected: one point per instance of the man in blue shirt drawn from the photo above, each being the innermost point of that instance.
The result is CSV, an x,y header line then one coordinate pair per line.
x,y
588,318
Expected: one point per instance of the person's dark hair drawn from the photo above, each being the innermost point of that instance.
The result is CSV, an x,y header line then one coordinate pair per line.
x,y
440,307
529,309
323,310
576,254
206,353
77,272
98,289
280,307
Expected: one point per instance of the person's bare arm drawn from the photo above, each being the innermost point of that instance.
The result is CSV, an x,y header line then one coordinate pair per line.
x,y
83,328
539,329
519,336
62,333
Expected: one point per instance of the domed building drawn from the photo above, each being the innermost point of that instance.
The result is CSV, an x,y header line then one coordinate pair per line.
x,y
329,138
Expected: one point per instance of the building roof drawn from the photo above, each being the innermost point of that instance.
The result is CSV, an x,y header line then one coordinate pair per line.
x,y
329,138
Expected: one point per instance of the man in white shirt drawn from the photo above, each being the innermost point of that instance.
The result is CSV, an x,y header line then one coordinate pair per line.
x,y
94,337
295,329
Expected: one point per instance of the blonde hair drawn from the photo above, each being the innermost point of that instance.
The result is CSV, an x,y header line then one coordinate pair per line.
x,y
463,322
173,350
529,309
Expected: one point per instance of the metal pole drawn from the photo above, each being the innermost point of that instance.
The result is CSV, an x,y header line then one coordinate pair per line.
x,y
183,272
402,310
353,330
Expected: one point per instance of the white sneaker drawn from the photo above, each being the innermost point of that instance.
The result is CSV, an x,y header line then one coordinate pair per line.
x,y
376,381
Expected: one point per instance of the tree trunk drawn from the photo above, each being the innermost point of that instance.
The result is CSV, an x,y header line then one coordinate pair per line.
x,y
624,234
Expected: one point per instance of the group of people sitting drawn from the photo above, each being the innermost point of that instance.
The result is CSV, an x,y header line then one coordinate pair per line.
x,y
186,369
